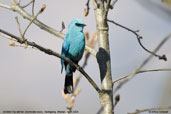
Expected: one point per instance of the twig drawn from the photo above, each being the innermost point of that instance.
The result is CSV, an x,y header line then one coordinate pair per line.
x,y
107,8
50,52
134,32
7,36
63,26
100,110
40,11
27,4
19,1
22,12
159,109
86,11
117,99
141,71
145,61
113,4
18,24
33,7
155,50
95,4
20,45
5,6
163,57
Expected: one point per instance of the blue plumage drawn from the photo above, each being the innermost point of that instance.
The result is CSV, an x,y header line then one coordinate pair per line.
x,y
72,48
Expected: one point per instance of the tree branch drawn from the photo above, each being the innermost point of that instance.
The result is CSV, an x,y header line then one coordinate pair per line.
x,y
5,6
107,8
163,57
16,8
141,71
145,61
86,11
33,7
113,4
152,109
95,4
27,4
50,52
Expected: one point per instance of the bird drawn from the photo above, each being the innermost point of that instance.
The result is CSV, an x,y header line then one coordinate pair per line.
x,y
72,48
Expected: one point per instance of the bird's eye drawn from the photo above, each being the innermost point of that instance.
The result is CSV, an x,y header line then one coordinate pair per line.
x,y
77,24
80,25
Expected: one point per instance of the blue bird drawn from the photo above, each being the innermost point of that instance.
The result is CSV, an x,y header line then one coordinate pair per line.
x,y
72,48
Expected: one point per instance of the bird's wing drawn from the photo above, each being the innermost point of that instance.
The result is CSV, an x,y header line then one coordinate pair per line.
x,y
65,48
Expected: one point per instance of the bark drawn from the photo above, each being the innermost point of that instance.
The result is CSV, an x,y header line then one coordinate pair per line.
x,y
103,59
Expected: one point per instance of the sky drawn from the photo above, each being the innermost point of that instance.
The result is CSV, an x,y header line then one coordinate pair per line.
x,y
31,80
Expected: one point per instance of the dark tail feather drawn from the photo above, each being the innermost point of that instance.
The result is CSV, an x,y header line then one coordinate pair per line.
x,y
68,87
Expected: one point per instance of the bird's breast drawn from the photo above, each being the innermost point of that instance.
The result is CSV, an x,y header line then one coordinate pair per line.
x,y
76,49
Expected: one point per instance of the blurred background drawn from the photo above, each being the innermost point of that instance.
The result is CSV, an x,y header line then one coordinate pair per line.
x,y
31,80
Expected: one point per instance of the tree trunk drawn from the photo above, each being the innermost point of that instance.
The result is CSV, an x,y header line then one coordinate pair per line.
x,y
103,58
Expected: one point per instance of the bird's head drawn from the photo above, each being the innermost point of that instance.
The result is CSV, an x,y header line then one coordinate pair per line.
x,y
76,25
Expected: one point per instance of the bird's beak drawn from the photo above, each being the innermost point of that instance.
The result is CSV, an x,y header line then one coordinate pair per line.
x,y
84,25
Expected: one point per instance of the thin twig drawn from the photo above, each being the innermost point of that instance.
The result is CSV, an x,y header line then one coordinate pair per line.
x,y
141,71
95,4
7,36
134,32
20,45
22,12
63,26
19,27
5,6
157,110
86,11
19,1
50,52
113,4
144,62
163,57
40,11
33,7
107,8
27,4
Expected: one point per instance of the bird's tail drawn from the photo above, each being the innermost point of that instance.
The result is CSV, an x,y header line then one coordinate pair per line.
x,y
68,87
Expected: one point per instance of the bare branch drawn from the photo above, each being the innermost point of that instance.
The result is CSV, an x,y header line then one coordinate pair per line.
x,y
145,61
152,109
117,99
163,57
40,11
141,71
155,50
95,4
86,11
22,12
5,6
50,52
20,45
113,4
63,26
19,27
33,7
7,36
107,8
27,4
